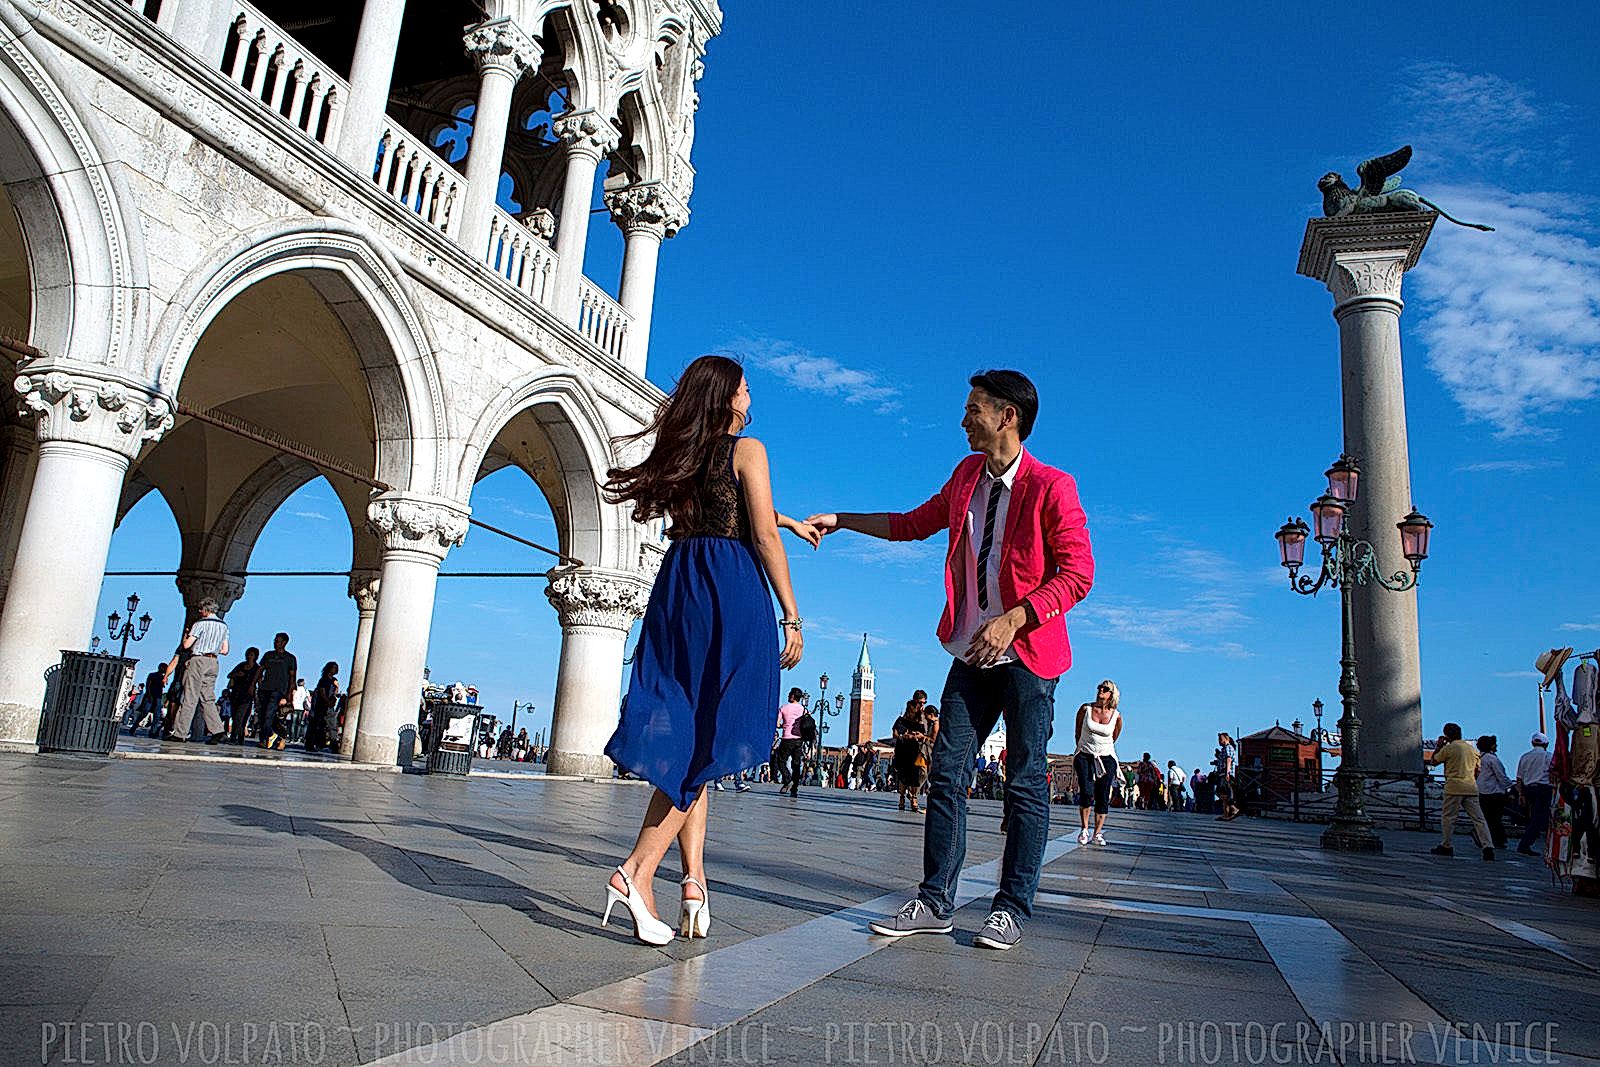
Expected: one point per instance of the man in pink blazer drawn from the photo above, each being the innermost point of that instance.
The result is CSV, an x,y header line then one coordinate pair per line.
x,y
1018,560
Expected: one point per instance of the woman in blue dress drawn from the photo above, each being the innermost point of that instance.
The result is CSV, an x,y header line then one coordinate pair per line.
x,y
705,672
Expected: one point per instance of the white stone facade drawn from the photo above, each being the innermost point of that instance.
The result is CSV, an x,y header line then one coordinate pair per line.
x,y
203,210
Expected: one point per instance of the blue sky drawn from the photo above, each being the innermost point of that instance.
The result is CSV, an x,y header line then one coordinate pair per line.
x,y
1111,200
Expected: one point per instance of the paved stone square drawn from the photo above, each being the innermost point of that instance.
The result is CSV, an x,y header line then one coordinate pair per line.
x,y
159,911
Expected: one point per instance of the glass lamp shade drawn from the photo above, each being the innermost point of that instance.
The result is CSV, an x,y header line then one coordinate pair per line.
x,y
824,681
113,622
133,604
1292,543
838,701
1414,532
1327,514
144,624
1342,478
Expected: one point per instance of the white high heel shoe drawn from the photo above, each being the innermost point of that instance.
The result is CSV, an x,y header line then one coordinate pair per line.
x,y
695,920
646,927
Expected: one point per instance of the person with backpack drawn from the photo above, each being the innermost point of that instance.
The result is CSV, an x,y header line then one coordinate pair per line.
x,y
1149,779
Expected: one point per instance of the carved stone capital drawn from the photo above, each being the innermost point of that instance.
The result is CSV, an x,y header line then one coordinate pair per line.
x,y
501,45
87,406
363,590
648,207
586,132
1366,275
651,554
195,586
593,596
541,222
410,521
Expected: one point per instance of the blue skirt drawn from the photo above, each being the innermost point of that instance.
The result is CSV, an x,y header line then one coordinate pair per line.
x,y
703,696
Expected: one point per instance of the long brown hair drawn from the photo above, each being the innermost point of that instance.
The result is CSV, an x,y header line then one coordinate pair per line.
x,y
693,419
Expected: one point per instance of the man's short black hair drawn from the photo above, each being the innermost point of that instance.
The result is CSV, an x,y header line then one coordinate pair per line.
x,y
1452,731
1011,387
796,694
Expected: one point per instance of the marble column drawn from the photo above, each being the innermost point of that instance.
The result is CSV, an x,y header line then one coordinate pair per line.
x,y
416,532
1363,259
588,136
201,26
597,608
503,52
90,423
647,215
371,74
364,586
17,452
195,585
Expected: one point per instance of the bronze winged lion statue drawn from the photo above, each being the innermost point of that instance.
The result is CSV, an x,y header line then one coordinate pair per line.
x,y
1380,191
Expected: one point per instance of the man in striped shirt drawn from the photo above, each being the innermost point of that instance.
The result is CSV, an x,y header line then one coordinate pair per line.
x,y
207,639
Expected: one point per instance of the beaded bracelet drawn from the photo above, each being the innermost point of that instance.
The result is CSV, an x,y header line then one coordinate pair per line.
x,y
791,624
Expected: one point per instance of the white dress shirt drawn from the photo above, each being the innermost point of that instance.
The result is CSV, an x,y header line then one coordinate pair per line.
x,y
1534,767
969,616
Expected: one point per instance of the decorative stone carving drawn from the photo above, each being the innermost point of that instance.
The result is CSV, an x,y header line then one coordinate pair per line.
x,y
501,45
363,590
195,586
1377,275
422,524
541,222
586,131
648,206
592,596
651,553
85,406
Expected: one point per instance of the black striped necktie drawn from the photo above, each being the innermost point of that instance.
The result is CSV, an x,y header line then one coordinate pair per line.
x,y
990,513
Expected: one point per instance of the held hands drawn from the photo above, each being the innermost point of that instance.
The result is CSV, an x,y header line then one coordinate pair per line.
x,y
825,523
806,531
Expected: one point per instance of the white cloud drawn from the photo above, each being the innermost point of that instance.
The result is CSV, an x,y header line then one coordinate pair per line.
x,y
1510,319
1202,612
1581,627
821,375
1508,466
871,552
312,515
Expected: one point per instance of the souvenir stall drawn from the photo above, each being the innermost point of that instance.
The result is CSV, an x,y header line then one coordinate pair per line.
x,y
1572,843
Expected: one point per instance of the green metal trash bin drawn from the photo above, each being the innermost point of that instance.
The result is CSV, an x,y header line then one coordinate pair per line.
x,y
86,711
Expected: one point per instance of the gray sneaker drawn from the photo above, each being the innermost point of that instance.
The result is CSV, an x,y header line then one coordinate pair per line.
x,y
1000,931
915,918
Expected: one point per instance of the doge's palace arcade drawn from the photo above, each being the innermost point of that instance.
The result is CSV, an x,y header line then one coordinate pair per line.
x,y
292,216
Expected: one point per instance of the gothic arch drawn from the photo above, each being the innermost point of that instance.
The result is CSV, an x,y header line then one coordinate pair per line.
x,y
85,250
597,532
367,291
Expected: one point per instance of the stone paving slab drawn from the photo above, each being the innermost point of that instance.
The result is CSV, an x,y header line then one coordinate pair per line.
x,y
344,917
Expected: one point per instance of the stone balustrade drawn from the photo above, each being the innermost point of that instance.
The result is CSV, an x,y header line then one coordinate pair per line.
x,y
269,65
520,256
601,319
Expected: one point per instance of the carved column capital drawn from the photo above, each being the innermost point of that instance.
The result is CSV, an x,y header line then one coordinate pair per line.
x,y
647,207
195,586
595,596
363,590
500,45
91,407
1366,275
586,132
417,523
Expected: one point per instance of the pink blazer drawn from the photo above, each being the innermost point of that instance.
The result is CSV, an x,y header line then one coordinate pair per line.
x,y
1045,559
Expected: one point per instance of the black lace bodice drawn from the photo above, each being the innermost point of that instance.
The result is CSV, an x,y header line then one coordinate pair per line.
x,y
722,510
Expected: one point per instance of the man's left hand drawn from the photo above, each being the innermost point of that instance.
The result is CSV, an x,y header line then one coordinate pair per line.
x,y
993,639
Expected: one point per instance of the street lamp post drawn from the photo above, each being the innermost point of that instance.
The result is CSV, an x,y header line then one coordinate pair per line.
x,y
125,631
1316,712
1347,562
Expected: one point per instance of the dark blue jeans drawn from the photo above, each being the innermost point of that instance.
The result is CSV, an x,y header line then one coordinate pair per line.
x,y
972,703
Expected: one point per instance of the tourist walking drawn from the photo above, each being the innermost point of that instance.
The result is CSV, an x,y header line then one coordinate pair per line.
x,y
912,747
1225,764
278,672
1460,761
1095,761
1533,783
1494,788
1149,778
705,670
789,756
300,701
1018,560
242,693
155,685
324,698
1176,782
206,640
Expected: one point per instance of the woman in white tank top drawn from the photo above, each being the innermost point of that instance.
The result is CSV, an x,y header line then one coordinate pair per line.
x,y
1099,725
